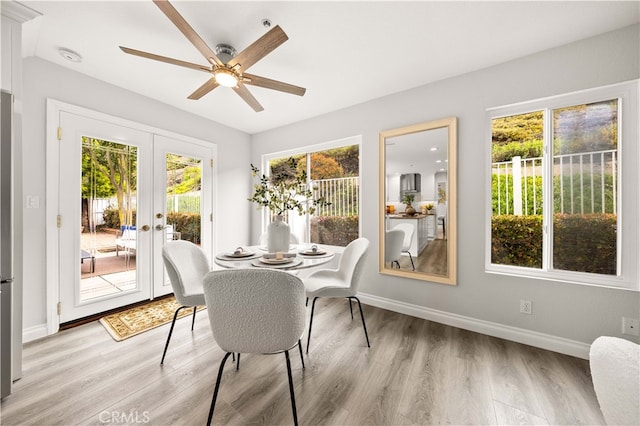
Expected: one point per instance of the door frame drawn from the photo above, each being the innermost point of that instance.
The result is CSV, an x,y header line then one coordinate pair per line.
x,y
52,160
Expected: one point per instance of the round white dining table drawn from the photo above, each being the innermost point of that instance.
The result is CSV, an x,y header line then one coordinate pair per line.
x,y
252,257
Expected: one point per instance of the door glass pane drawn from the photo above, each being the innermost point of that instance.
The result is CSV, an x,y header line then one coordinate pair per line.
x,y
108,218
516,190
184,192
585,188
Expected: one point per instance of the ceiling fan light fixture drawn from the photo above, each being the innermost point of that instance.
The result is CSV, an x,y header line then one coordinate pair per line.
x,y
225,77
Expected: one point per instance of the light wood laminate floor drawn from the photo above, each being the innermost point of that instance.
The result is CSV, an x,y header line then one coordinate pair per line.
x,y
416,372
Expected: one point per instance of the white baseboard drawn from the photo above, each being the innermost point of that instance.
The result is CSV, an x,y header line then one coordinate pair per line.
x,y
515,334
34,333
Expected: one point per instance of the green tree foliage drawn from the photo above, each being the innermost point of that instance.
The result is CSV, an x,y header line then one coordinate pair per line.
x,y
117,163
334,230
284,191
183,174
348,157
517,240
526,149
586,128
322,166
582,243
95,184
517,128
585,243
281,167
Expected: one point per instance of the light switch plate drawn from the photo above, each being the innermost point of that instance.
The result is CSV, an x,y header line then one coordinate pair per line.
x,y
33,202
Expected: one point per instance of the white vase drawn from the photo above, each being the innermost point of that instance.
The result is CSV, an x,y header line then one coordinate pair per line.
x,y
278,235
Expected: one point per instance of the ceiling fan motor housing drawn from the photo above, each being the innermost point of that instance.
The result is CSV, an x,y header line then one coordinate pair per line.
x,y
225,52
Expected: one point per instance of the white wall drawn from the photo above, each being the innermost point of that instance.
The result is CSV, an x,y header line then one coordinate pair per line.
x,y
566,311
43,79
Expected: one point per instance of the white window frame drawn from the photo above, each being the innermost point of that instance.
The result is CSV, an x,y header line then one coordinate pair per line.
x,y
628,218
309,149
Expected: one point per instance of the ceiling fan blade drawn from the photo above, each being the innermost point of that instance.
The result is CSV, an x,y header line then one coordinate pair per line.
x,y
207,87
259,49
256,80
188,32
244,93
165,59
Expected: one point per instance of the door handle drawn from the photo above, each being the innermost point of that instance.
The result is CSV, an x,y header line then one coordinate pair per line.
x,y
160,227
145,228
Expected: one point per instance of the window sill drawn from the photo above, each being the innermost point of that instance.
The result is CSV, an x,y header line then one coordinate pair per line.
x,y
617,283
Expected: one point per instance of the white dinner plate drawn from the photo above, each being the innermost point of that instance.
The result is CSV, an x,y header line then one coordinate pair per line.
x,y
289,264
274,261
310,252
239,255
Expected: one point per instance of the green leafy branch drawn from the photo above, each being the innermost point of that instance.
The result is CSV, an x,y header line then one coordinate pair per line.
x,y
286,190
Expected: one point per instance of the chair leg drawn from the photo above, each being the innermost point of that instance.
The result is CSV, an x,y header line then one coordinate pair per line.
x,y
350,307
193,321
363,324
411,259
306,303
173,323
301,356
238,362
293,397
215,391
313,307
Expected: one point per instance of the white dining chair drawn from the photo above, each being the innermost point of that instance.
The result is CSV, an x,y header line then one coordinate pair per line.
x,y
341,282
408,230
393,246
255,311
186,266
615,371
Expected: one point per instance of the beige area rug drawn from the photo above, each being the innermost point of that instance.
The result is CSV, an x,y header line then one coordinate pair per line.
x,y
139,319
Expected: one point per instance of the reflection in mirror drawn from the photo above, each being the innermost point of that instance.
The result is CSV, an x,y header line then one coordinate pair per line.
x,y
418,197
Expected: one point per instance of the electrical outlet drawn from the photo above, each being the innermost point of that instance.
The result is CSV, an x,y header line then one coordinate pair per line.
x,y
630,326
525,307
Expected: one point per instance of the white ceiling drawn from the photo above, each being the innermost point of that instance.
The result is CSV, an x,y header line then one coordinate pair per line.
x,y
421,152
344,53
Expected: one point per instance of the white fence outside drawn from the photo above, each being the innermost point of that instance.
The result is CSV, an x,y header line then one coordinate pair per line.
x,y
342,193
590,168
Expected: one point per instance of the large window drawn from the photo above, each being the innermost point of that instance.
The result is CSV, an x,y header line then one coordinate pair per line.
x,y
333,172
557,188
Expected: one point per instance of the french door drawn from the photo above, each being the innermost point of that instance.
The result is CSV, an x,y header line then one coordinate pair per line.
x,y
182,200
123,194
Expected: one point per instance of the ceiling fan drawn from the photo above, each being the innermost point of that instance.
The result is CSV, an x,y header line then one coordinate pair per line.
x,y
231,71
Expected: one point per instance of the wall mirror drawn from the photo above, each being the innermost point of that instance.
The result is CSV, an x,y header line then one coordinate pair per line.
x,y
418,201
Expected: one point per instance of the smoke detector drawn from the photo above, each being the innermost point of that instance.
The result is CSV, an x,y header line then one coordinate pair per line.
x,y
69,54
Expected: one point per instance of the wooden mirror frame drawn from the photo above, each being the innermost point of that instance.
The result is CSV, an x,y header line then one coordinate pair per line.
x,y
450,124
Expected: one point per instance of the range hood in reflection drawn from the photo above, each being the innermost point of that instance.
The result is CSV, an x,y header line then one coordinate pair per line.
x,y
410,183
